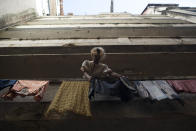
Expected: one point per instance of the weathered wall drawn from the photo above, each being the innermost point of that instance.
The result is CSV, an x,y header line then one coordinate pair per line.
x,y
15,11
15,6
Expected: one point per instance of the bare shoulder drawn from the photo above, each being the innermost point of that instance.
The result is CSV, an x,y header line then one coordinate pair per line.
x,y
86,62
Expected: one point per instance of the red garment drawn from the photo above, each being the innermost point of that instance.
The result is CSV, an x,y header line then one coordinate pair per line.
x,y
184,85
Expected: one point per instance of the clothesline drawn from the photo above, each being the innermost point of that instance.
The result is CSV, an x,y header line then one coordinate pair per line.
x,y
73,95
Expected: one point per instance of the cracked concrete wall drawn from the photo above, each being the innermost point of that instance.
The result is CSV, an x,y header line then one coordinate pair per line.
x,y
15,11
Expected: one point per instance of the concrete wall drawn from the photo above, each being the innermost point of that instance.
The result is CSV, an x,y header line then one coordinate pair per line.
x,y
15,6
16,11
7,7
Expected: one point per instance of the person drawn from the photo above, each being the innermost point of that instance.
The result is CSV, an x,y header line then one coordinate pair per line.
x,y
102,79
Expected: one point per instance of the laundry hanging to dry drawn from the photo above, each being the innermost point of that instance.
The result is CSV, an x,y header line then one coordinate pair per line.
x,y
6,83
71,96
156,90
184,85
27,88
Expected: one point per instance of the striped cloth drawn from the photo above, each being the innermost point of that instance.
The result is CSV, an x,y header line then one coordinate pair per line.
x,y
184,85
156,90
71,96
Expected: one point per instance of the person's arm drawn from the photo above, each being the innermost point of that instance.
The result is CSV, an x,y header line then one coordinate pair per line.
x,y
114,74
86,74
109,72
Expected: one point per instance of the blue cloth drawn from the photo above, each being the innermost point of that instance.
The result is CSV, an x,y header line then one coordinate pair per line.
x,y
110,88
6,83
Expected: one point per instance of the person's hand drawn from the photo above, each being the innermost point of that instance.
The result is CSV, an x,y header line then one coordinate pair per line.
x,y
107,72
82,69
124,76
90,77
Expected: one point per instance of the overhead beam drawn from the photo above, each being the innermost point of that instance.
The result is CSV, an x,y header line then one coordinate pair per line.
x,y
98,31
106,21
137,62
99,42
105,16
118,45
134,65
109,48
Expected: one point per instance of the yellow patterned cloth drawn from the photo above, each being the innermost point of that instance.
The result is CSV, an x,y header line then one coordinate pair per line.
x,y
71,96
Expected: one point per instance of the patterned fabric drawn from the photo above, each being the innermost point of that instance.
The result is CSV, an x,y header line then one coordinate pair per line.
x,y
156,90
71,96
184,85
26,88
166,89
32,86
153,90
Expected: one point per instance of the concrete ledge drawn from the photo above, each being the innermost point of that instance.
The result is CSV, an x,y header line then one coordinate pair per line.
x,y
98,31
137,114
135,58
120,45
181,123
61,21
107,16
134,109
97,42
145,65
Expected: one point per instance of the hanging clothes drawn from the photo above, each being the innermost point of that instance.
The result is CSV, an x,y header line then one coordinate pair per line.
x,y
167,89
6,83
105,84
71,96
141,90
112,87
156,90
184,85
153,90
27,88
